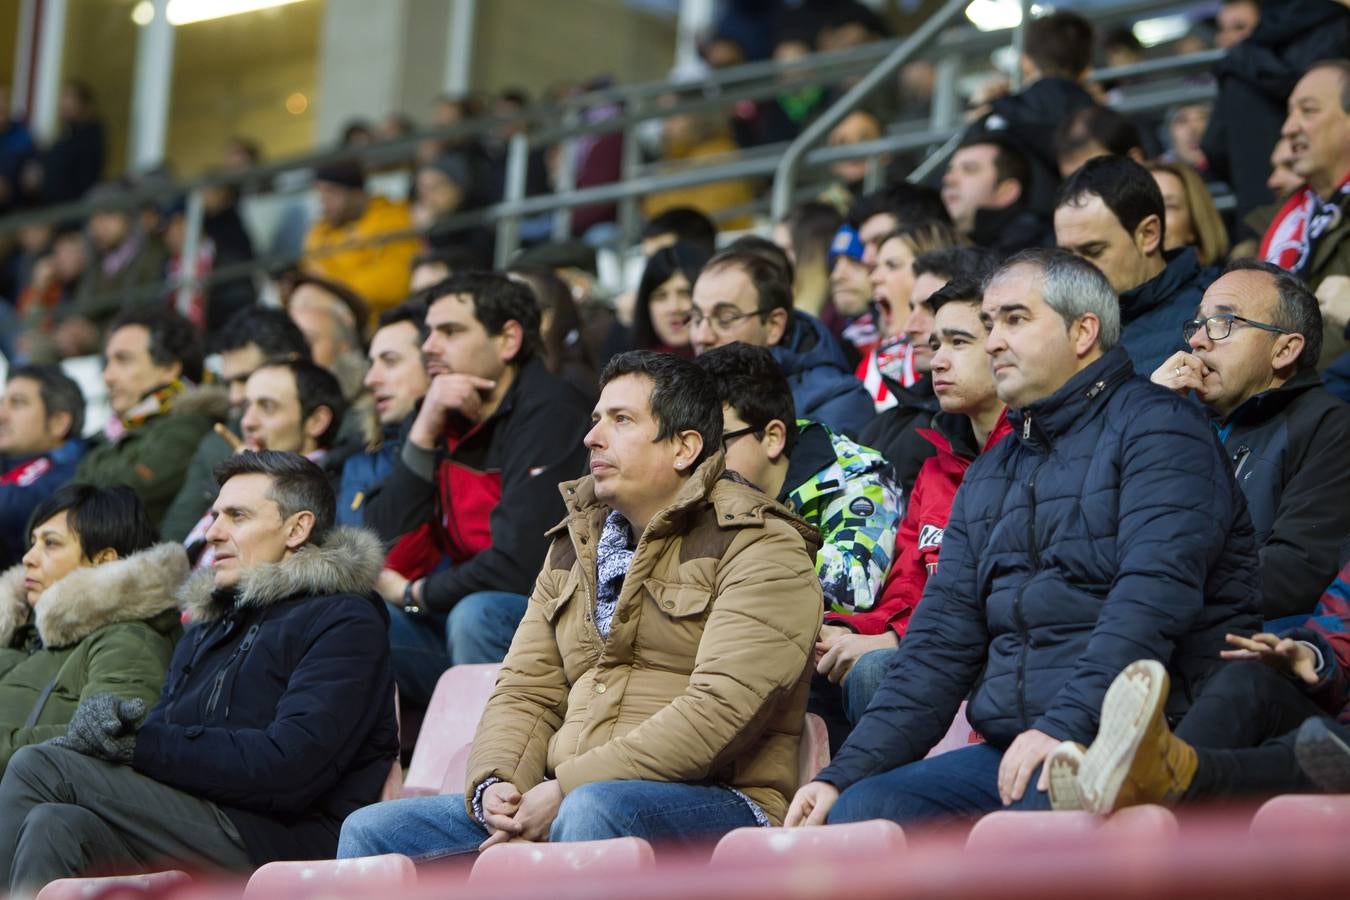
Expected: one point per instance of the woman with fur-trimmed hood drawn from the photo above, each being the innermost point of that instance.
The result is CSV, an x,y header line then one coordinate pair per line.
x,y
90,610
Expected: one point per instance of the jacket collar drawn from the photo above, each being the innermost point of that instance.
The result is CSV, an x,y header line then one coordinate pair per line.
x,y
1182,267
126,590
1049,418
813,453
1271,402
953,435
347,562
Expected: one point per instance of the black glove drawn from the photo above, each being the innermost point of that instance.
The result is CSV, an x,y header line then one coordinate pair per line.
x,y
104,726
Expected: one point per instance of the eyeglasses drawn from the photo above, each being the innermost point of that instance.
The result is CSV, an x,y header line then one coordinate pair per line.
x,y
1220,326
729,436
724,318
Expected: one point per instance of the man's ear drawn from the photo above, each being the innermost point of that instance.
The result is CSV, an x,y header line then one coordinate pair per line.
x,y
775,440
688,446
1007,192
1287,351
1089,329
776,325
510,340
318,421
60,423
1148,235
298,529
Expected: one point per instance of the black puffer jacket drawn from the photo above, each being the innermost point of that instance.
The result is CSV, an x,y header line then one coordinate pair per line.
x,y
1107,529
1288,446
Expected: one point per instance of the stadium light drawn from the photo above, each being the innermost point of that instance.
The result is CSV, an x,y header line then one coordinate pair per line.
x,y
186,12
996,15
1161,30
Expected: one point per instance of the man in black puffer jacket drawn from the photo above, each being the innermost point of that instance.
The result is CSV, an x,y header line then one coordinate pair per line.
x,y
1107,527
277,715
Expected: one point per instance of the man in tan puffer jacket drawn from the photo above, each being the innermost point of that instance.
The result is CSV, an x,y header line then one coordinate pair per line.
x,y
657,684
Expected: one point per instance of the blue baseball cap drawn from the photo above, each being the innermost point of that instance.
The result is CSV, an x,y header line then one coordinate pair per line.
x,y
846,243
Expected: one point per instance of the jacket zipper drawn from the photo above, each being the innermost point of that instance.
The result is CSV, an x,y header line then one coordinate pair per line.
x,y
219,684
1018,617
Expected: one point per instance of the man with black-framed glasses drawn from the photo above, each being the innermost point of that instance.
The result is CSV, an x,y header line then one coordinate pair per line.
x,y
1254,344
745,294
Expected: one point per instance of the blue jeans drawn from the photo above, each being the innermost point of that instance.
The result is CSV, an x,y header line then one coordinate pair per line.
x,y
962,783
427,828
477,630
842,705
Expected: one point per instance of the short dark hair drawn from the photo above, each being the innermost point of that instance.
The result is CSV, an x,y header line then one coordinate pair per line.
x,y
1127,189
679,258
1009,160
974,262
1297,310
496,301
101,517
770,275
269,329
59,393
687,224
315,386
683,397
1060,44
453,258
297,485
961,289
908,203
750,381
1099,125
172,337
407,311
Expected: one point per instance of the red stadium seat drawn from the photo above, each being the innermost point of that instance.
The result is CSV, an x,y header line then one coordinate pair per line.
x,y
959,735
814,752
457,771
1139,823
537,863
369,876
877,839
452,718
1013,829
1326,813
156,883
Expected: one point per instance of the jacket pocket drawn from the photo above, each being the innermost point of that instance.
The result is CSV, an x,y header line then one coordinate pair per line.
x,y
554,608
679,601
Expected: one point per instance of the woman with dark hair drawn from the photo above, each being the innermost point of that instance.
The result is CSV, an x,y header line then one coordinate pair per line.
x,y
91,610
665,299
565,353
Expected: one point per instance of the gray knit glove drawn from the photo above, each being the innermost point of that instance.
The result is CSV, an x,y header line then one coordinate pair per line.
x,y
104,726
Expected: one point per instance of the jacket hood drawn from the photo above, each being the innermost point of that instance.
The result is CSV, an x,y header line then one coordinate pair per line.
x,y
737,503
1182,267
347,562
829,457
808,344
210,400
126,590
1050,417
1271,402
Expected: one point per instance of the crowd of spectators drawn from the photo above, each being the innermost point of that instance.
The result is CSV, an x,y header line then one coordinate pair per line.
x,y
1051,436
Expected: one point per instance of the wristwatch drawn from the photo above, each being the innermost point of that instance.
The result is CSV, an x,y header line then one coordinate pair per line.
x,y
410,604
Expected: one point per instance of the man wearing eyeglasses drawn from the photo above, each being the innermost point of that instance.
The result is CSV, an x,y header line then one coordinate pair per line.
x,y
1254,345
745,294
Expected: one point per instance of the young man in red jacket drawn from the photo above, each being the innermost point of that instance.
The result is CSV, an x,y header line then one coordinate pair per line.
x,y
972,420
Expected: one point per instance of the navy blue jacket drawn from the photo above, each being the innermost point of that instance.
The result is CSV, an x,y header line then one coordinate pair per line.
x,y
17,501
823,387
1152,314
362,472
1107,529
279,701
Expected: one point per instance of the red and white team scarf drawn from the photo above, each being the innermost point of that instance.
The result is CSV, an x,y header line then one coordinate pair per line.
x,y
892,358
25,475
1291,240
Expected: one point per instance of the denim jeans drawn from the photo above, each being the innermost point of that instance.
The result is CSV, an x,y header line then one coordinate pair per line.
x,y
477,630
427,828
842,705
961,783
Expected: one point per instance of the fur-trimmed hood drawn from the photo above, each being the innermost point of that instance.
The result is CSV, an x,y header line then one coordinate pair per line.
x,y
209,400
347,562
134,589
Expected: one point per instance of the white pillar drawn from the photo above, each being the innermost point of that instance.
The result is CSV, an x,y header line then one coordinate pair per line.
x,y
50,45
151,87
695,17
459,47
360,62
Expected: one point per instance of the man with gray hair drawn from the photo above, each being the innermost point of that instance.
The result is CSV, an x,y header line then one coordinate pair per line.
x,y
1252,359
1107,527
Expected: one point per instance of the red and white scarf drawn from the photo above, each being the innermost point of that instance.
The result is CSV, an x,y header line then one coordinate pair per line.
x,y
1291,240
26,474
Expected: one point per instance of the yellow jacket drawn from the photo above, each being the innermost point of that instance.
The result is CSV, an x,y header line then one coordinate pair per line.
x,y
705,673
350,255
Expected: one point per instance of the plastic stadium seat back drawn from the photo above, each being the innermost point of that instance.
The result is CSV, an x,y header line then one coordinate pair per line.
x,y
365,876
452,718
1304,813
959,735
154,884
457,771
875,839
1014,829
814,752
537,863
1150,822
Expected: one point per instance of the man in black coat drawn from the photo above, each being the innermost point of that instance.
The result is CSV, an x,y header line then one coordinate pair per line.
x,y
1106,528
277,715
1252,360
